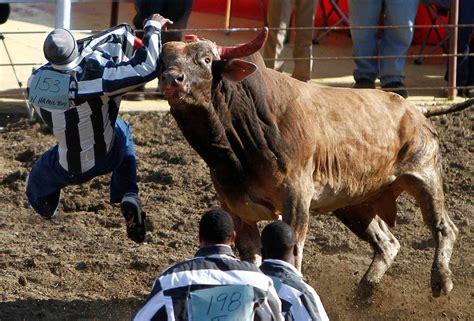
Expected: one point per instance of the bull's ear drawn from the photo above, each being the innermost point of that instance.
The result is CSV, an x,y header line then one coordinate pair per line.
x,y
235,69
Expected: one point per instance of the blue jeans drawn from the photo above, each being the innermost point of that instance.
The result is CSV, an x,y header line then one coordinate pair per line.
x,y
393,42
48,177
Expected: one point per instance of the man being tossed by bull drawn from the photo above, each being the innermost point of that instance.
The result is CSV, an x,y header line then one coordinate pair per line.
x,y
78,94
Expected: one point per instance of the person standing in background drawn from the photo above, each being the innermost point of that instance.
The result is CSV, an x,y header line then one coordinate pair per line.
x,y
393,42
465,63
4,12
465,70
278,16
177,11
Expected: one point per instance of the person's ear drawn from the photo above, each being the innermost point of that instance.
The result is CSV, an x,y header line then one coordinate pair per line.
x,y
233,237
200,239
234,69
295,250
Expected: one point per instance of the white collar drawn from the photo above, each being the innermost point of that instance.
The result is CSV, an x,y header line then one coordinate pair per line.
x,y
68,66
286,264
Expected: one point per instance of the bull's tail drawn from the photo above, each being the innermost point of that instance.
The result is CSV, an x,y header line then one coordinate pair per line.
x,y
441,110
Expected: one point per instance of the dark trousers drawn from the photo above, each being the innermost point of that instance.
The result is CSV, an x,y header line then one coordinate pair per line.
x,y
465,70
4,12
465,64
48,177
177,11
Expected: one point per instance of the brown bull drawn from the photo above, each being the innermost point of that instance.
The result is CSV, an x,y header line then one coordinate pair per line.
x,y
277,146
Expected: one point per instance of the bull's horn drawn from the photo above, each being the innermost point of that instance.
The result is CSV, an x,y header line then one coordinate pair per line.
x,y
440,110
244,49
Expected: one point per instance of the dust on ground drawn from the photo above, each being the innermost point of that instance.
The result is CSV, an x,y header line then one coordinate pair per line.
x,y
81,266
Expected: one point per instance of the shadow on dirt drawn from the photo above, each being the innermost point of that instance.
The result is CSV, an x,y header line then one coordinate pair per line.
x,y
115,309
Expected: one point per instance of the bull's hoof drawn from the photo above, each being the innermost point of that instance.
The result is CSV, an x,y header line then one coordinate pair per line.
x,y
441,283
366,289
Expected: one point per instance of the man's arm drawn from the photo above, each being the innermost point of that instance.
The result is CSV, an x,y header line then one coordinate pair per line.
x,y
274,303
121,37
314,305
270,309
154,305
113,78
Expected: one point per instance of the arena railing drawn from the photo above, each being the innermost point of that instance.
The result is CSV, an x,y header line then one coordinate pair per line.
x,y
451,56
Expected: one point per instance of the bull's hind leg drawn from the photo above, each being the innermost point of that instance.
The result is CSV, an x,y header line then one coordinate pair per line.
x,y
365,224
427,188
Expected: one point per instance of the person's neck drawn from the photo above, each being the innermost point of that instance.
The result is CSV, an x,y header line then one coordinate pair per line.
x,y
208,244
68,66
286,258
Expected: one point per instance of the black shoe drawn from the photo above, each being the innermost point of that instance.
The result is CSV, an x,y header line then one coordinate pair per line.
x,y
137,94
364,83
135,217
397,88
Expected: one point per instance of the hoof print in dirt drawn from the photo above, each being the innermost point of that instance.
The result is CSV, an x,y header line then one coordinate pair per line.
x,y
175,159
26,156
174,244
162,178
22,281
29,263
149,225
19,175
179,227
139,266
81,266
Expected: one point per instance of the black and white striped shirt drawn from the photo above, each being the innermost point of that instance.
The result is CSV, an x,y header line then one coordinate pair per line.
x,y
109,64
299,301
211,267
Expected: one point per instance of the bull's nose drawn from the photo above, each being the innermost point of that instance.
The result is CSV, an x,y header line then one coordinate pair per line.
x,y
180,78
172,78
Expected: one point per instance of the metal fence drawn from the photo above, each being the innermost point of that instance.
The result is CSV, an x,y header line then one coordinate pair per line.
x,y
451,28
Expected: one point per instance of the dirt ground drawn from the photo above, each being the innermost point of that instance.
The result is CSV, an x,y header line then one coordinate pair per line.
x,y
81,266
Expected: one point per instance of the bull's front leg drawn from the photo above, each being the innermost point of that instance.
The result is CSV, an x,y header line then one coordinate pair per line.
x,y
248,241
296,214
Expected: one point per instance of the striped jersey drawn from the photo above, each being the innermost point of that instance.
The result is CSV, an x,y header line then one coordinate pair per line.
x,y
212,267
299,301
82,117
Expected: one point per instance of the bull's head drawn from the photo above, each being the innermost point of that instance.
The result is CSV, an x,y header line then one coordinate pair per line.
x,y
188,68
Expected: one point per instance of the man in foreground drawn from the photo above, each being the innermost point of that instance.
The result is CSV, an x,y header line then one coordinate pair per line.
x,y
214,285
299,301
78,95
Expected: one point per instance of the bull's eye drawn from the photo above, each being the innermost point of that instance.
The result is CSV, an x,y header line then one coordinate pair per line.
x,y
207,60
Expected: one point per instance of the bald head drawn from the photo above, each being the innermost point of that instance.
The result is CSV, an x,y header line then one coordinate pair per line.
x,y
216,227
278,241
